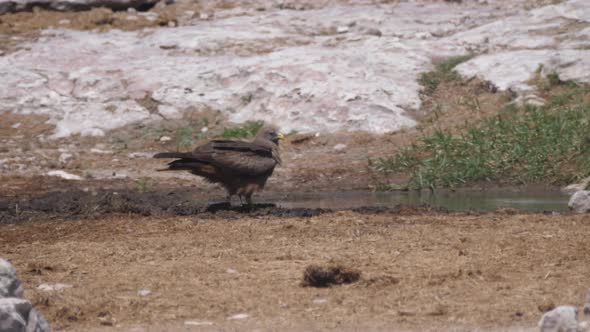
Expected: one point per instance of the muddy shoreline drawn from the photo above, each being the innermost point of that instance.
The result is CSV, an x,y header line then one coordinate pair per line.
x,y
91,203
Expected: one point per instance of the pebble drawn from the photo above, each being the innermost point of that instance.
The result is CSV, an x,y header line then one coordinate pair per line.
x,y
238,316
45,287
165,138
340,147
65,175
342,29
374,32
204,130
198,322
144,292
16,125
140,155
100,151
64,157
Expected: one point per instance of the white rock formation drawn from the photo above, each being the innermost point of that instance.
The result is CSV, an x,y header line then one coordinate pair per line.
x,y
16,313
561,319
292,68
580,201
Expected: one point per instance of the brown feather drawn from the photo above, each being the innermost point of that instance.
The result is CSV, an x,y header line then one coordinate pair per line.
x,y
241,167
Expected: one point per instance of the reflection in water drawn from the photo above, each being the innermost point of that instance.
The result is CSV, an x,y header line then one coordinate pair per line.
x,y
534,201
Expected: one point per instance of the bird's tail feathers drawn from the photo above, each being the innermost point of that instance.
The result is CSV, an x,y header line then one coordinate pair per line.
x,y
172,155
183,165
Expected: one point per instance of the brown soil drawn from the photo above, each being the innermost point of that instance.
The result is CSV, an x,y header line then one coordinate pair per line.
x,y
420,270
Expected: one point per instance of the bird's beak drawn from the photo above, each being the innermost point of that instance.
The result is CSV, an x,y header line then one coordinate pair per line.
x,y
280,136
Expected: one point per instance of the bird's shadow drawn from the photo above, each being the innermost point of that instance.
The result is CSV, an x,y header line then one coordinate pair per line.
x,y
225,206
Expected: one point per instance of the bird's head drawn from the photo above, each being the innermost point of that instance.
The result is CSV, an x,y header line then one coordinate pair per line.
x,y
270,134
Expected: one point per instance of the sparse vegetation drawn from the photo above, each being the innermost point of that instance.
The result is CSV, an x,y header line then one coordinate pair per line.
x,y
444,72
519,145
184,137
249,129
143,185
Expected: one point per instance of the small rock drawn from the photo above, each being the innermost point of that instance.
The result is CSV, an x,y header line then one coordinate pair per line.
x,y
189,13
13,314
131,10
342,29
561,319
168,46
165,138
231,271
204,130
58,287
320,301
171,24
573,188
140,155
533,100
144,292
238,316
580,201
64,157
131,18
101,151
16,125
340,147
10,286
203,16
16,313
423,35
198,323
64,175
373,32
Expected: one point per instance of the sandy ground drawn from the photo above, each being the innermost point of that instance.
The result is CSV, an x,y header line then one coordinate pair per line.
x,y
420,270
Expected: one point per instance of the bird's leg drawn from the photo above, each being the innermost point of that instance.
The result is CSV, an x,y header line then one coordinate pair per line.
x,y
249,201
228,199
241,202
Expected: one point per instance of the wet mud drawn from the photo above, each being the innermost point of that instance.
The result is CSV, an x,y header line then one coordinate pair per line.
x,y
80,204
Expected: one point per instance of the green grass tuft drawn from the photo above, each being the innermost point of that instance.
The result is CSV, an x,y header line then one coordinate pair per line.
x,y
249,129
184,137
549,144
444,72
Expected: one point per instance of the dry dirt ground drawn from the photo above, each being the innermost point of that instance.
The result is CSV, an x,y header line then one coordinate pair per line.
x,y
421,270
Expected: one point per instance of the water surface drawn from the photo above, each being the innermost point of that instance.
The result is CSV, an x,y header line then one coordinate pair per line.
x,y
533,201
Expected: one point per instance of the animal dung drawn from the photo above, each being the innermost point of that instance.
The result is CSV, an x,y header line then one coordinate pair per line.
x,y
326,276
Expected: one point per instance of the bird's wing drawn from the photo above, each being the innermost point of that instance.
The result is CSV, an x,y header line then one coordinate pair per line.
x,y
236,156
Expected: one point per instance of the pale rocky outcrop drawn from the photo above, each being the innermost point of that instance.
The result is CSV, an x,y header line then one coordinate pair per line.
x,y
311,70
16,313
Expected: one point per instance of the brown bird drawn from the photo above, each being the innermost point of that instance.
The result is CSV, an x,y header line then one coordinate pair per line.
x,y
240,167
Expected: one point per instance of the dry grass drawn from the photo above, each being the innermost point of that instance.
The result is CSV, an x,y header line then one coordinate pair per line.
x,y
420,269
